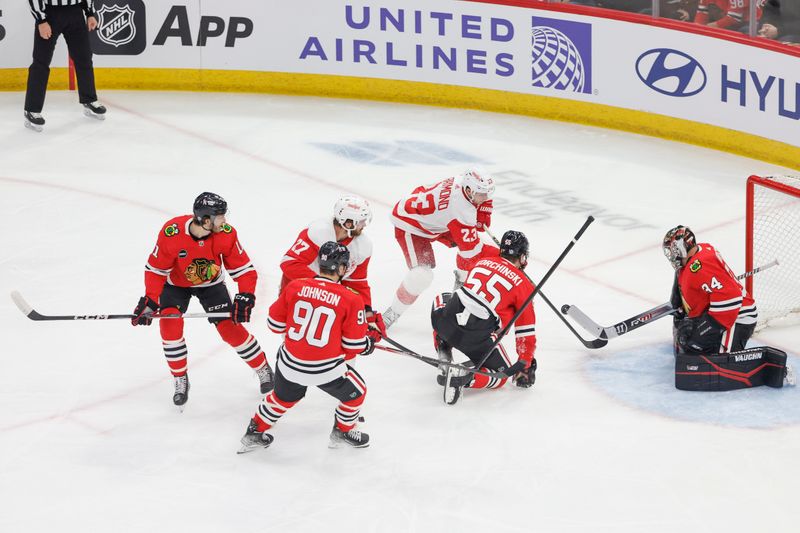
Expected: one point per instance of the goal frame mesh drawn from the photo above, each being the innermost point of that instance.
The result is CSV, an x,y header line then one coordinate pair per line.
x,y
767,182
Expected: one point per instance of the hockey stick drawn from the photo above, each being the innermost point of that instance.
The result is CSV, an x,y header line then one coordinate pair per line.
x,y
402,350
535,290
31,313
592,344
621,328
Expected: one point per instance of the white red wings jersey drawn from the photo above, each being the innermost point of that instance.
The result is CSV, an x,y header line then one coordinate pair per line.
x,y
735,12
443,210
301,260
325,324
707,284
184,261
496,287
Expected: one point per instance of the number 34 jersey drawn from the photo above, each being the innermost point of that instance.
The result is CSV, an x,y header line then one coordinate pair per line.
x,y
707,284
324,324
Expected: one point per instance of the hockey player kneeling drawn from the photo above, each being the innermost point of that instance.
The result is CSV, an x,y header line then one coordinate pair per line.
x,y
469,319
715,318
326,328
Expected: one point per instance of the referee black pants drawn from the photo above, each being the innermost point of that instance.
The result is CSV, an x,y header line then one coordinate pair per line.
x,y
70,22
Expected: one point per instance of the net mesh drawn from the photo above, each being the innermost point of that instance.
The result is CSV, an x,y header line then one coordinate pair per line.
x,y
776,235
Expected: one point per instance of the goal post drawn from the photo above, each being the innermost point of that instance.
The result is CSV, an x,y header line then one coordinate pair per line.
x,y
773,232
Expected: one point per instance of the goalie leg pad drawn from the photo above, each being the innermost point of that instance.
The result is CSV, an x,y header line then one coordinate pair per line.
x,y
737,370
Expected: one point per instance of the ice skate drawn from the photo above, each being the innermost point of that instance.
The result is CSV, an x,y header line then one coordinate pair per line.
x,y
266,378
353,438
453,381
34,121
95,110
390,316
181,391
254,439
788,376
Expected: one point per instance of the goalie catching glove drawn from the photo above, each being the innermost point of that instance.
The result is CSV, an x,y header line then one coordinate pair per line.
x,y
243,304
141,314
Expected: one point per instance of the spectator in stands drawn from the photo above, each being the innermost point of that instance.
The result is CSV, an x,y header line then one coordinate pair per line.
x,y
779,23
726,14
683,10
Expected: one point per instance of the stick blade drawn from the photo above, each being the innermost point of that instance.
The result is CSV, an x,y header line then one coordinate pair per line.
x,y
21,304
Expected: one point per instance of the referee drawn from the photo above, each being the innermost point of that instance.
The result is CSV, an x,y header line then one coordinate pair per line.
x,y
74,19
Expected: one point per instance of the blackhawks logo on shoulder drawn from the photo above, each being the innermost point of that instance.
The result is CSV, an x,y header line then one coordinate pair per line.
x,y
227,228
695,266
172,230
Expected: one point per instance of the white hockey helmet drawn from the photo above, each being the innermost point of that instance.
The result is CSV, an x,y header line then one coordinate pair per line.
x,y
479,182
354,209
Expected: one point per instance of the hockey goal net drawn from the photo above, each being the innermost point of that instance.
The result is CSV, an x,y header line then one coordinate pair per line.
x,y
773,232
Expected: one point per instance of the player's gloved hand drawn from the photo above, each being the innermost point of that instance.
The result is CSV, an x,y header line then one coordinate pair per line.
x,y
515,369
376,328
484,216
146,307
370,346
527,377
243,304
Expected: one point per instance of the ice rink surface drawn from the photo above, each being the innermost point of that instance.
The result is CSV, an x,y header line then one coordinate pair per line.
x,y
90,440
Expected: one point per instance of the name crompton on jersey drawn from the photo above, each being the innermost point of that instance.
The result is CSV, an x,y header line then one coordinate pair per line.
x,y
319,294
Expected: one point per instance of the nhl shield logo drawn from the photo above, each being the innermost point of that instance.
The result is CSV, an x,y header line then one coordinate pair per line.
x,y
116,25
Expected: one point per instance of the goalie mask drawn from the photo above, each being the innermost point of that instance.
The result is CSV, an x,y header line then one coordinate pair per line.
x,y
353,213
677,243
481,185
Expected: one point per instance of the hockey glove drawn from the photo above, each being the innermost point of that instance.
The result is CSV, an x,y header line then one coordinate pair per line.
x,y
484,216
376,328
243,304
527,377
700,335
146,307
515,369
370,346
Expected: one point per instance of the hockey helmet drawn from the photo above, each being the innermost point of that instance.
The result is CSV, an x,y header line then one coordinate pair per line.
x,y
479,183
209,205
332,255
676,245
354,209
514,245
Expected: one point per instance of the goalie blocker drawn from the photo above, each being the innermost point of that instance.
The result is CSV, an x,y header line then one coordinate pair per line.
x,y
736,370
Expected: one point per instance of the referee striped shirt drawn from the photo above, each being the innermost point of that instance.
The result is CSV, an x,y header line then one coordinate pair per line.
x,y
39,7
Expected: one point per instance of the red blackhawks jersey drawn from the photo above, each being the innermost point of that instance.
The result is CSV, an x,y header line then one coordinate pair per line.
x,y
707,284
325,324
735,12
185,261
443,212
495,287
301,260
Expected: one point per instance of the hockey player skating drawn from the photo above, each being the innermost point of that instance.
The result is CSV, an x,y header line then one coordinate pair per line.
x,y
715,316
351,215
469,320
451,212
325,329
188,260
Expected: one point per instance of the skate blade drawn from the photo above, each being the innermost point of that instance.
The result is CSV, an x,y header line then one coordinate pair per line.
x,y
33,127
180,408
334,444
247,449
95,116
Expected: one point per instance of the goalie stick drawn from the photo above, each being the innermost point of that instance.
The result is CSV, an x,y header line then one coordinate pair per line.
x,y
31,313
593,344
635,322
